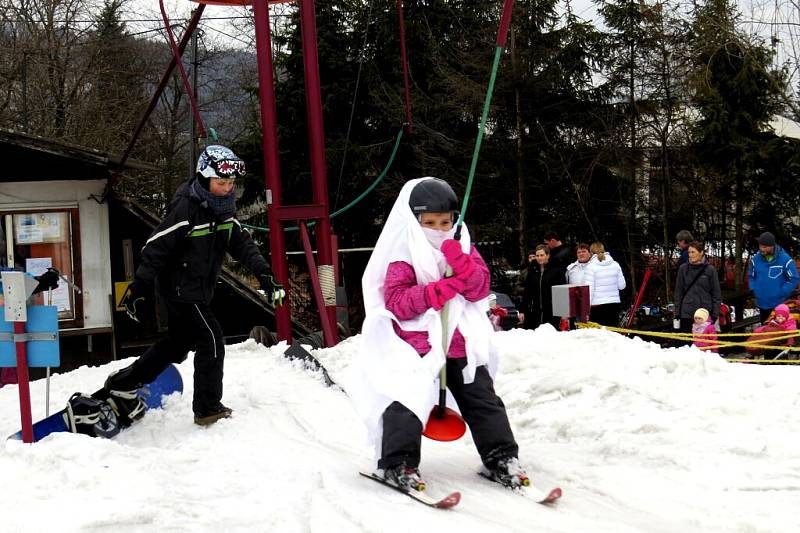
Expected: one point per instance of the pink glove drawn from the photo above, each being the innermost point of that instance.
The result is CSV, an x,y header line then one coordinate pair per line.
x,y
439,292
499,311
461,263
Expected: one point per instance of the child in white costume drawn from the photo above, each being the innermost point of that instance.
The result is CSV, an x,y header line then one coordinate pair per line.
x,y
394,383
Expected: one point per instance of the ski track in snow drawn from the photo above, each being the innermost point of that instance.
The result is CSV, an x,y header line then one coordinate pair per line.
x,y
640,438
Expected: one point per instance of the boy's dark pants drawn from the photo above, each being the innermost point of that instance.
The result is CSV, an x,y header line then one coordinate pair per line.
x,y
191,327
482,409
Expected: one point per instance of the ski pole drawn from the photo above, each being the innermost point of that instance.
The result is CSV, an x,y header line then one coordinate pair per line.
x,y
502,34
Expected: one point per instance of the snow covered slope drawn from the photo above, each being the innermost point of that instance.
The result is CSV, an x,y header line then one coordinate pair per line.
x,y
640,439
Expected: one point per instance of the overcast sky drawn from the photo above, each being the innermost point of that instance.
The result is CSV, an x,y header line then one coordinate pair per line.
x,y
226,26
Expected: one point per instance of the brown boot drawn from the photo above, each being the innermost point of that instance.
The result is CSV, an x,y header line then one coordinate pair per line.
x,y
219,412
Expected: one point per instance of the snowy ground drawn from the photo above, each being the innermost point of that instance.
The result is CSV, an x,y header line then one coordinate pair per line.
x,y
640,439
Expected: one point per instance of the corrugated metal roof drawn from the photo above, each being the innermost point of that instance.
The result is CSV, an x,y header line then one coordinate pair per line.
x,y
32,155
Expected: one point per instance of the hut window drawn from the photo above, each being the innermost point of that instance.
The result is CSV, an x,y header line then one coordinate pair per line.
x,y
33,241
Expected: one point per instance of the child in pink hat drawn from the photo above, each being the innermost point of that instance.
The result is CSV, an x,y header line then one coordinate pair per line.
x,y
703,331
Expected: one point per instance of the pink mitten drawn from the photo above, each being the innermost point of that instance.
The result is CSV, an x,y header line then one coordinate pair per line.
x,y
499,311
439,292
461,263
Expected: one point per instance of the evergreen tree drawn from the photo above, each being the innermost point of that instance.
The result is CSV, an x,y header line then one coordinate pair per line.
x,y
555,122
736,96
628,41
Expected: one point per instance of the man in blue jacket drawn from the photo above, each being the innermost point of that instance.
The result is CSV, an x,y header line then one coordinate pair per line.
x,y
773,275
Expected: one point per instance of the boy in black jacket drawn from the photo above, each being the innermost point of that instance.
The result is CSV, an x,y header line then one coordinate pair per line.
x,y
182,259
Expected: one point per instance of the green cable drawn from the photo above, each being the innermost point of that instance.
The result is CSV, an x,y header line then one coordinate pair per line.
x,y
497,54
360,197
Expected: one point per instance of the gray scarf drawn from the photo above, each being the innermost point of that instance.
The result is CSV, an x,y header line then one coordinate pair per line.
x,y
223,206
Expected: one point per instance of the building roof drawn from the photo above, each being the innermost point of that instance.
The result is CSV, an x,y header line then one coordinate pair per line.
x,y
785,127
29,157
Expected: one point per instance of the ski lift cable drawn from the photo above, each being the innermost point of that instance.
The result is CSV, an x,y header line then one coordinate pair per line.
x,y
357,199
186,85
353,105
502,35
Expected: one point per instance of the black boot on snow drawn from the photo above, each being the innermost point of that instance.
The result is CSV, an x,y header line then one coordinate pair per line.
x,y
128,405
406,477
90,416
507,471
123,396
206,418
121,380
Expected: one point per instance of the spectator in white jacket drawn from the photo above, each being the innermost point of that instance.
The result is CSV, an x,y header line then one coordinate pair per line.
x,y
576,271
605,280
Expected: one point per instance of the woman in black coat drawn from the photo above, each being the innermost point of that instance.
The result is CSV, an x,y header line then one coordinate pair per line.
x,y
697,286
537,301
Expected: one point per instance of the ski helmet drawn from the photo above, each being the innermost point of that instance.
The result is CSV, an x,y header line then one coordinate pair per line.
x,y
433,196
218,161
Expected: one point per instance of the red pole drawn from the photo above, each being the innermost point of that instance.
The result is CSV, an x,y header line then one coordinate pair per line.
x,y
164,79
316,142
505,22
324,318
404,59
335,254
24,386
638,300
176,55
272,169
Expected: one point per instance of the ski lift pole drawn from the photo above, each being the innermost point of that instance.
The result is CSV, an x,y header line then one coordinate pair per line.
x,y
440,411
502,37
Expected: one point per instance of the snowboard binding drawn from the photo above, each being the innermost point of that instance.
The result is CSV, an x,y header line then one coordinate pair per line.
x,y
127,405
90,416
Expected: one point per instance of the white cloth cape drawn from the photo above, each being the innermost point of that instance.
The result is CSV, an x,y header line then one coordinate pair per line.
x,y
387,368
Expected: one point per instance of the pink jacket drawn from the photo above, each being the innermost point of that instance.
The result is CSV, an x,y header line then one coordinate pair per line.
x,y
788,325
705,335
406,299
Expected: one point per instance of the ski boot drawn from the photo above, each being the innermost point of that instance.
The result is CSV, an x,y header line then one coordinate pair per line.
x,y
217,413
405,477
123,397
508,472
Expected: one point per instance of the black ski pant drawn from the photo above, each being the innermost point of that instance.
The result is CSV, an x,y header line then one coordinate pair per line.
x,y
606,314
483,411
191,327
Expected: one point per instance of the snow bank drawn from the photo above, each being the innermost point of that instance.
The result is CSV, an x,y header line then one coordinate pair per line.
x,y
640,438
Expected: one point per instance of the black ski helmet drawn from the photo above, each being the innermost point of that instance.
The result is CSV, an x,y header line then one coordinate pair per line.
x,y
433,196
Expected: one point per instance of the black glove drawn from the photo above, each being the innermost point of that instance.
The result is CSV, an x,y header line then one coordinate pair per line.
x,y
272,289
48,280
134,299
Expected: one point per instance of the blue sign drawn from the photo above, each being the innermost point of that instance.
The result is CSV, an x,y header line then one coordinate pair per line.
x,y
43,347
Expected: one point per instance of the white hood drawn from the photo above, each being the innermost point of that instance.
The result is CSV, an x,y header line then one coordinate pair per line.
x,y
388,369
